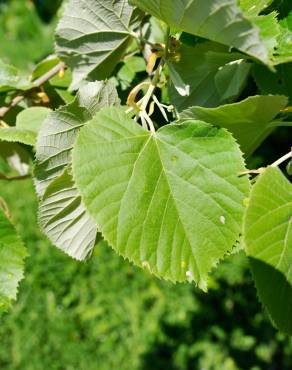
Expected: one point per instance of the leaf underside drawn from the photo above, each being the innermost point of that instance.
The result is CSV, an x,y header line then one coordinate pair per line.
x,y
268,241
65,220
171,201
216,20
93,35
62,214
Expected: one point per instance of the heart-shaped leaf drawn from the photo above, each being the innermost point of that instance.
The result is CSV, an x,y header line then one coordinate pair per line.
x,y
268,241
171,201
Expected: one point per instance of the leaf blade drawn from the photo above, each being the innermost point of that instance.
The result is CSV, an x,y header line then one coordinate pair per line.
x,y
12,255
92,37
142,213
222,22
247,120
268,241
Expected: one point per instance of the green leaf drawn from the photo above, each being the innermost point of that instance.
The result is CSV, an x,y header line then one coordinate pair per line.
x,y
12,254
197,74
277,36
16,156
289,167
254,8
248,121
131,67
269,31
45,66
283,52
278,82
28,123
267,24
64,219
268,241
93,35
11,80
61,212
231,78
171,202
58,132
222,22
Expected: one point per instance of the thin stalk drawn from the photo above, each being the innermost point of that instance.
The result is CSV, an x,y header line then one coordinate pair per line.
x,y
282,159
13,178
37,83
167,40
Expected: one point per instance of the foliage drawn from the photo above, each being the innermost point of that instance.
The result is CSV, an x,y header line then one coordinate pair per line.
x,y
270,225
72,315
24,38
12,253
154,159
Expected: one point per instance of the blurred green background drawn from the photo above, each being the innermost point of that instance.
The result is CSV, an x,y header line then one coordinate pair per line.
x,y
106,314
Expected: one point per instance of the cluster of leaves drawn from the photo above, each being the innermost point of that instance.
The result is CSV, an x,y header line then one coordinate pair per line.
x,y
71,315
172,198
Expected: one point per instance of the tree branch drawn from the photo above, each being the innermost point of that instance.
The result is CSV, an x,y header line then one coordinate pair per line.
x,y
37,83
12,178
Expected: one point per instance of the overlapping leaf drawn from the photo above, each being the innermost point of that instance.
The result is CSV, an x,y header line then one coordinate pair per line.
x,y
276,35
61,212
59,130
170,201
274,83
16,156
250,121
207,70
216,20
93,35
12,254
268,241
283,52
10,79
28,123
65,220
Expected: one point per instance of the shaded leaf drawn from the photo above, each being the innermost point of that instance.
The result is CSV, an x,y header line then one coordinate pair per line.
x,y
231,78
65,220
93,35
278,82
59,130
170,201
248,120
196,73
268,241
61,212
215,20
